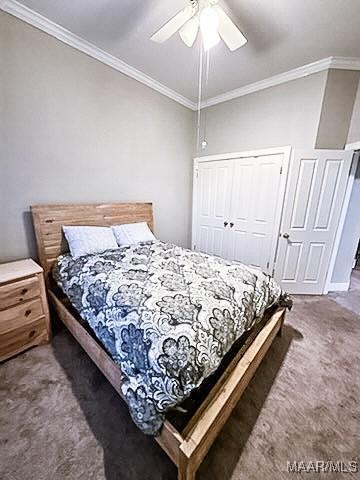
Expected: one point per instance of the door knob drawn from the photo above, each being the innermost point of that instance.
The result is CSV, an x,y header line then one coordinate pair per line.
x,y
286,235
231,224
226,224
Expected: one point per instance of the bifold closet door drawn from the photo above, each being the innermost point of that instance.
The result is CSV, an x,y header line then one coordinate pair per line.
x,y
253,208
236,208
212,207
313,202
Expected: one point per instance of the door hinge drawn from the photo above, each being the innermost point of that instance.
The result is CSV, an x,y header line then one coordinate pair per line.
x,y
268,264
281,170
273,271
197,173
194,247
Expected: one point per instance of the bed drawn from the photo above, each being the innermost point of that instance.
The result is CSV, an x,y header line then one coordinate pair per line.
x,y
186,446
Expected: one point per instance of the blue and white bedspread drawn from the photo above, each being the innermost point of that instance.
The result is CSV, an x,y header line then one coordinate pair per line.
x,y
166,315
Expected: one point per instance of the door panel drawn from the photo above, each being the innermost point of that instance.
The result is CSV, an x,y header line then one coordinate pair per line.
x,y
328,189
254,203
313,202
213,201
303,193
241,210
292,261
313,263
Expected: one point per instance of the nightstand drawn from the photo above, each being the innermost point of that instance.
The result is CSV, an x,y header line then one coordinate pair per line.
x,y
24,311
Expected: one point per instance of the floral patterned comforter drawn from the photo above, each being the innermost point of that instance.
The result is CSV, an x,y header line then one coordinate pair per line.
x,y
166,315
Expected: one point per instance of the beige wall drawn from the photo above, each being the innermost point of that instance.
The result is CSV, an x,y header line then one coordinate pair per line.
x,y
75,130
354,130
337,108
287,114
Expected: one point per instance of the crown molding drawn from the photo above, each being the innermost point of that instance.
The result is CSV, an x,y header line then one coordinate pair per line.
x,y
341,63
42,23
345,63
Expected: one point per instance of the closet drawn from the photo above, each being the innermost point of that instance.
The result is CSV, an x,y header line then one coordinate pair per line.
x,y
273,212
236,206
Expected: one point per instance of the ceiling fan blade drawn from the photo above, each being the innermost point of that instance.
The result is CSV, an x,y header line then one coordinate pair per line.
x,y
189,31
173,25
228,31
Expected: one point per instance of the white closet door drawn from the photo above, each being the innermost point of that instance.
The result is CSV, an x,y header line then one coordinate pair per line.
x,y
212,207
253,213
317,184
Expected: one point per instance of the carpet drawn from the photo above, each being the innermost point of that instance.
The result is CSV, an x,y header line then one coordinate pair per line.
x,y
60,418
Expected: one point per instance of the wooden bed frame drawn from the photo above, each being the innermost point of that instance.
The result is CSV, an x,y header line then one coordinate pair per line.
x,y
188,447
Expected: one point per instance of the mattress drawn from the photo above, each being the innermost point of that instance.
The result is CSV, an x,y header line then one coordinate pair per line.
x,y
166,315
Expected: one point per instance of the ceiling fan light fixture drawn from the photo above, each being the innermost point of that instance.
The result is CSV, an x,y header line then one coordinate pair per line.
x,y
209,24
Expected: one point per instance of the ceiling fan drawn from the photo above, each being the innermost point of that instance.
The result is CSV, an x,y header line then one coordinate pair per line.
x,y
210,18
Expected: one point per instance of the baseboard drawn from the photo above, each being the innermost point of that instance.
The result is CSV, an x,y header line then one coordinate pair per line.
x,y
339,287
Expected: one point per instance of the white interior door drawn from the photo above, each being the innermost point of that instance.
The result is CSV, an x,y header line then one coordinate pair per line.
x,y
212,207
313,202
253,210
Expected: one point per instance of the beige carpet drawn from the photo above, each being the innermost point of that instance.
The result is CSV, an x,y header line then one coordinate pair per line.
x,y
60,419
351,298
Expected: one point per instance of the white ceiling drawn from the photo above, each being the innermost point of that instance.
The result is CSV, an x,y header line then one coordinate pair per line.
x,y
282,35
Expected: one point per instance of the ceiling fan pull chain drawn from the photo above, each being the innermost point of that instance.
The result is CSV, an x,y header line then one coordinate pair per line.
x,y
204,143
199,98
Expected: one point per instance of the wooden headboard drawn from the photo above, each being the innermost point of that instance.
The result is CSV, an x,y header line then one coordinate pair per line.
x,y
49,219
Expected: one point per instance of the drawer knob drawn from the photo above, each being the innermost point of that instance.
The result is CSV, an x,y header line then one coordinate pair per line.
x,y
27,313
32,333
23,291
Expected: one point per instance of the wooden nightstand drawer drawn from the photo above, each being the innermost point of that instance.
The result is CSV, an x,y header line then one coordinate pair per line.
x,y
14,341
24,311
22,314
18,292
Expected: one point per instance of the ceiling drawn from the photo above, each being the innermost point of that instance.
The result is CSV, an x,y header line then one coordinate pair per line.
x,y
282,35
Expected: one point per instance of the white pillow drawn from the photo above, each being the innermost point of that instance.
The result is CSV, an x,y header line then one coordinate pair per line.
x,y
87,240
132,233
